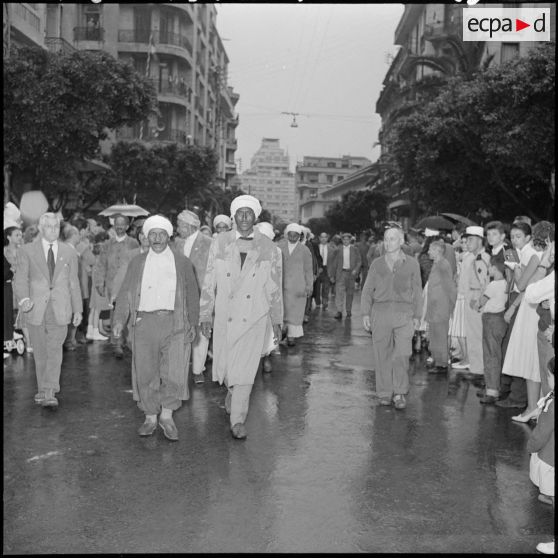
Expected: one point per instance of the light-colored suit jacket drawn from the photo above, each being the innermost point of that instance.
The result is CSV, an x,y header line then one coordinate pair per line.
x,y
336,272
32,281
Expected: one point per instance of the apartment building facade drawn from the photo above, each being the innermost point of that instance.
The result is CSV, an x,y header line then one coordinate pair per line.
x,y
270,179
430,41
176,45
317,175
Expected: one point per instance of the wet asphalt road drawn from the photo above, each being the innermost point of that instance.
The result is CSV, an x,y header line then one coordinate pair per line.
x,y
324,468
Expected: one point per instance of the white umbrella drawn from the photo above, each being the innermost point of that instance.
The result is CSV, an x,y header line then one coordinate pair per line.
x,y
124,209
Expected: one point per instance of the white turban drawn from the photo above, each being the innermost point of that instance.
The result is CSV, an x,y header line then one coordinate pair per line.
x,y
222,219
157,222
431,232
293,227
12,216
266,229
246,201
189,217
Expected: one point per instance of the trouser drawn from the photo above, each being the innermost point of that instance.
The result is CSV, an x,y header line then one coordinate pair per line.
x,y
512,387
308,307
322,287
392,333
152,337
82,327
240,401
438,342
71,335
345,290
546,352
473,333
363,275
47,340
493,331
199,353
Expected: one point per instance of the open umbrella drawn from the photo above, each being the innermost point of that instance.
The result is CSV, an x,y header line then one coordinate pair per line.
x,y
435,222
459,219
124,209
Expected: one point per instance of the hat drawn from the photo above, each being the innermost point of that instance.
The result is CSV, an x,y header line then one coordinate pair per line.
x,y
12,216
431,232
266,229
293,227
222,219
474,231
8,223
189,217
246,201
157,222
346,234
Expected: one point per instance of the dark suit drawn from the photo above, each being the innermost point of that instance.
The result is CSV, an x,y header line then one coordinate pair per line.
x,y
54,303
323,281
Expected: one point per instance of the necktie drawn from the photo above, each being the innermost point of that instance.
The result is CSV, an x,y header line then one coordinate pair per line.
x,y
50,262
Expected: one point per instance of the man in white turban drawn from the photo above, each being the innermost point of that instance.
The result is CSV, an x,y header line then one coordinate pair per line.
x,y
222,224
298,280
160,302
195,245
243,288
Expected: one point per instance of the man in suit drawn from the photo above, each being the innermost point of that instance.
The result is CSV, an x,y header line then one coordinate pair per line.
x,y
325,255
194,246
47,289
119,251
159,297
345,270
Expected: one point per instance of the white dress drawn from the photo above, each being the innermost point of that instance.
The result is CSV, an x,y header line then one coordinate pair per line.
x,y
522,356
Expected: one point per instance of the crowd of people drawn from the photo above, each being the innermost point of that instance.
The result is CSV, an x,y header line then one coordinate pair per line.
x,y
477,299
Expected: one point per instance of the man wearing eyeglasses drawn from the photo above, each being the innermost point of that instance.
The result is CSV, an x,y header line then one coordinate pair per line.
x,y
391,305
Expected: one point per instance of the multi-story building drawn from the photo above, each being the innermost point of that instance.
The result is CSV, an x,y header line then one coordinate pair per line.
x,y
176,45
430,40
317,175
270,180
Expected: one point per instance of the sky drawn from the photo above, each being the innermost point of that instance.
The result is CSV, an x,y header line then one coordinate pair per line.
x,y
323,61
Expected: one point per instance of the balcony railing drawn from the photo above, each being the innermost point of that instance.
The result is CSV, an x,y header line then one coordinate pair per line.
x,y
89,34
176,87
59,45
159,37
24,13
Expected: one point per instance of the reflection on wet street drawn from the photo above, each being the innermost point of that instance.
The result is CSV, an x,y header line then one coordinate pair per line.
x,y
324,468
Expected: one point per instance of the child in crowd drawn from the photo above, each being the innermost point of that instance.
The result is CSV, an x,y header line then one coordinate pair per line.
x,y
97,303
541,448
492,304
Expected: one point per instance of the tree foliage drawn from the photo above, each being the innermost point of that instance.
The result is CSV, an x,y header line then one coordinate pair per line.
x,y
160,177
57,108
483,141
357,211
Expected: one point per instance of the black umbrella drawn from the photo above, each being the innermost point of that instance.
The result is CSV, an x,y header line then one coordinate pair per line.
x,y
459,219
435,222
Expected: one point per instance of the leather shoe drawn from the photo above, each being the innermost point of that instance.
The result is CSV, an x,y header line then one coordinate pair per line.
x,y
118,353
169,428
399,401
266,365
338,316
510,404
49,401
69,347
488,399
147,428
291,342
437,369
39,397
198,378
385,401
238,431
306,319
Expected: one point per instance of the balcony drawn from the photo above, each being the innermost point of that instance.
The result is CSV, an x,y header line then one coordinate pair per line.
x,y
159,37
176,87
89,34
59,45
232,143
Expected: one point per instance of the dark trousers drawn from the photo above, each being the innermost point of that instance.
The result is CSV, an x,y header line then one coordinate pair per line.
x,y
308,307
512,387
438,344
322,287
494,329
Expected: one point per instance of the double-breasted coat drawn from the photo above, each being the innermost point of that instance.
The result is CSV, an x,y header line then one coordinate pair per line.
x,y
243,298
298,281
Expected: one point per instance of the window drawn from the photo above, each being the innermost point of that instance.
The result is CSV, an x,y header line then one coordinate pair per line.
x,y
331,164
92,22
509,51
329,178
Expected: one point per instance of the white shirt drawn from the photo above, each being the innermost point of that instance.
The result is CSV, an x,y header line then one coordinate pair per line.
x,y
542,290
238,235
497,249
120,238
346,257
291,247
189,242
496,292
525,254
46,246
323,253
158,284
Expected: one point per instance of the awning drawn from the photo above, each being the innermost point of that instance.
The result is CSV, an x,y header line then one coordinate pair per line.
x,y
398,203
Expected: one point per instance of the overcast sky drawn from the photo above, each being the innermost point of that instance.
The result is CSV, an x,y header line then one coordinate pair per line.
x,y
324,61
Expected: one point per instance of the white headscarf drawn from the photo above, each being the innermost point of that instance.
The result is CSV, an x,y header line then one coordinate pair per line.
x,y
293,227
222,219
157,222
266,229
246,201
189,217
12,216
